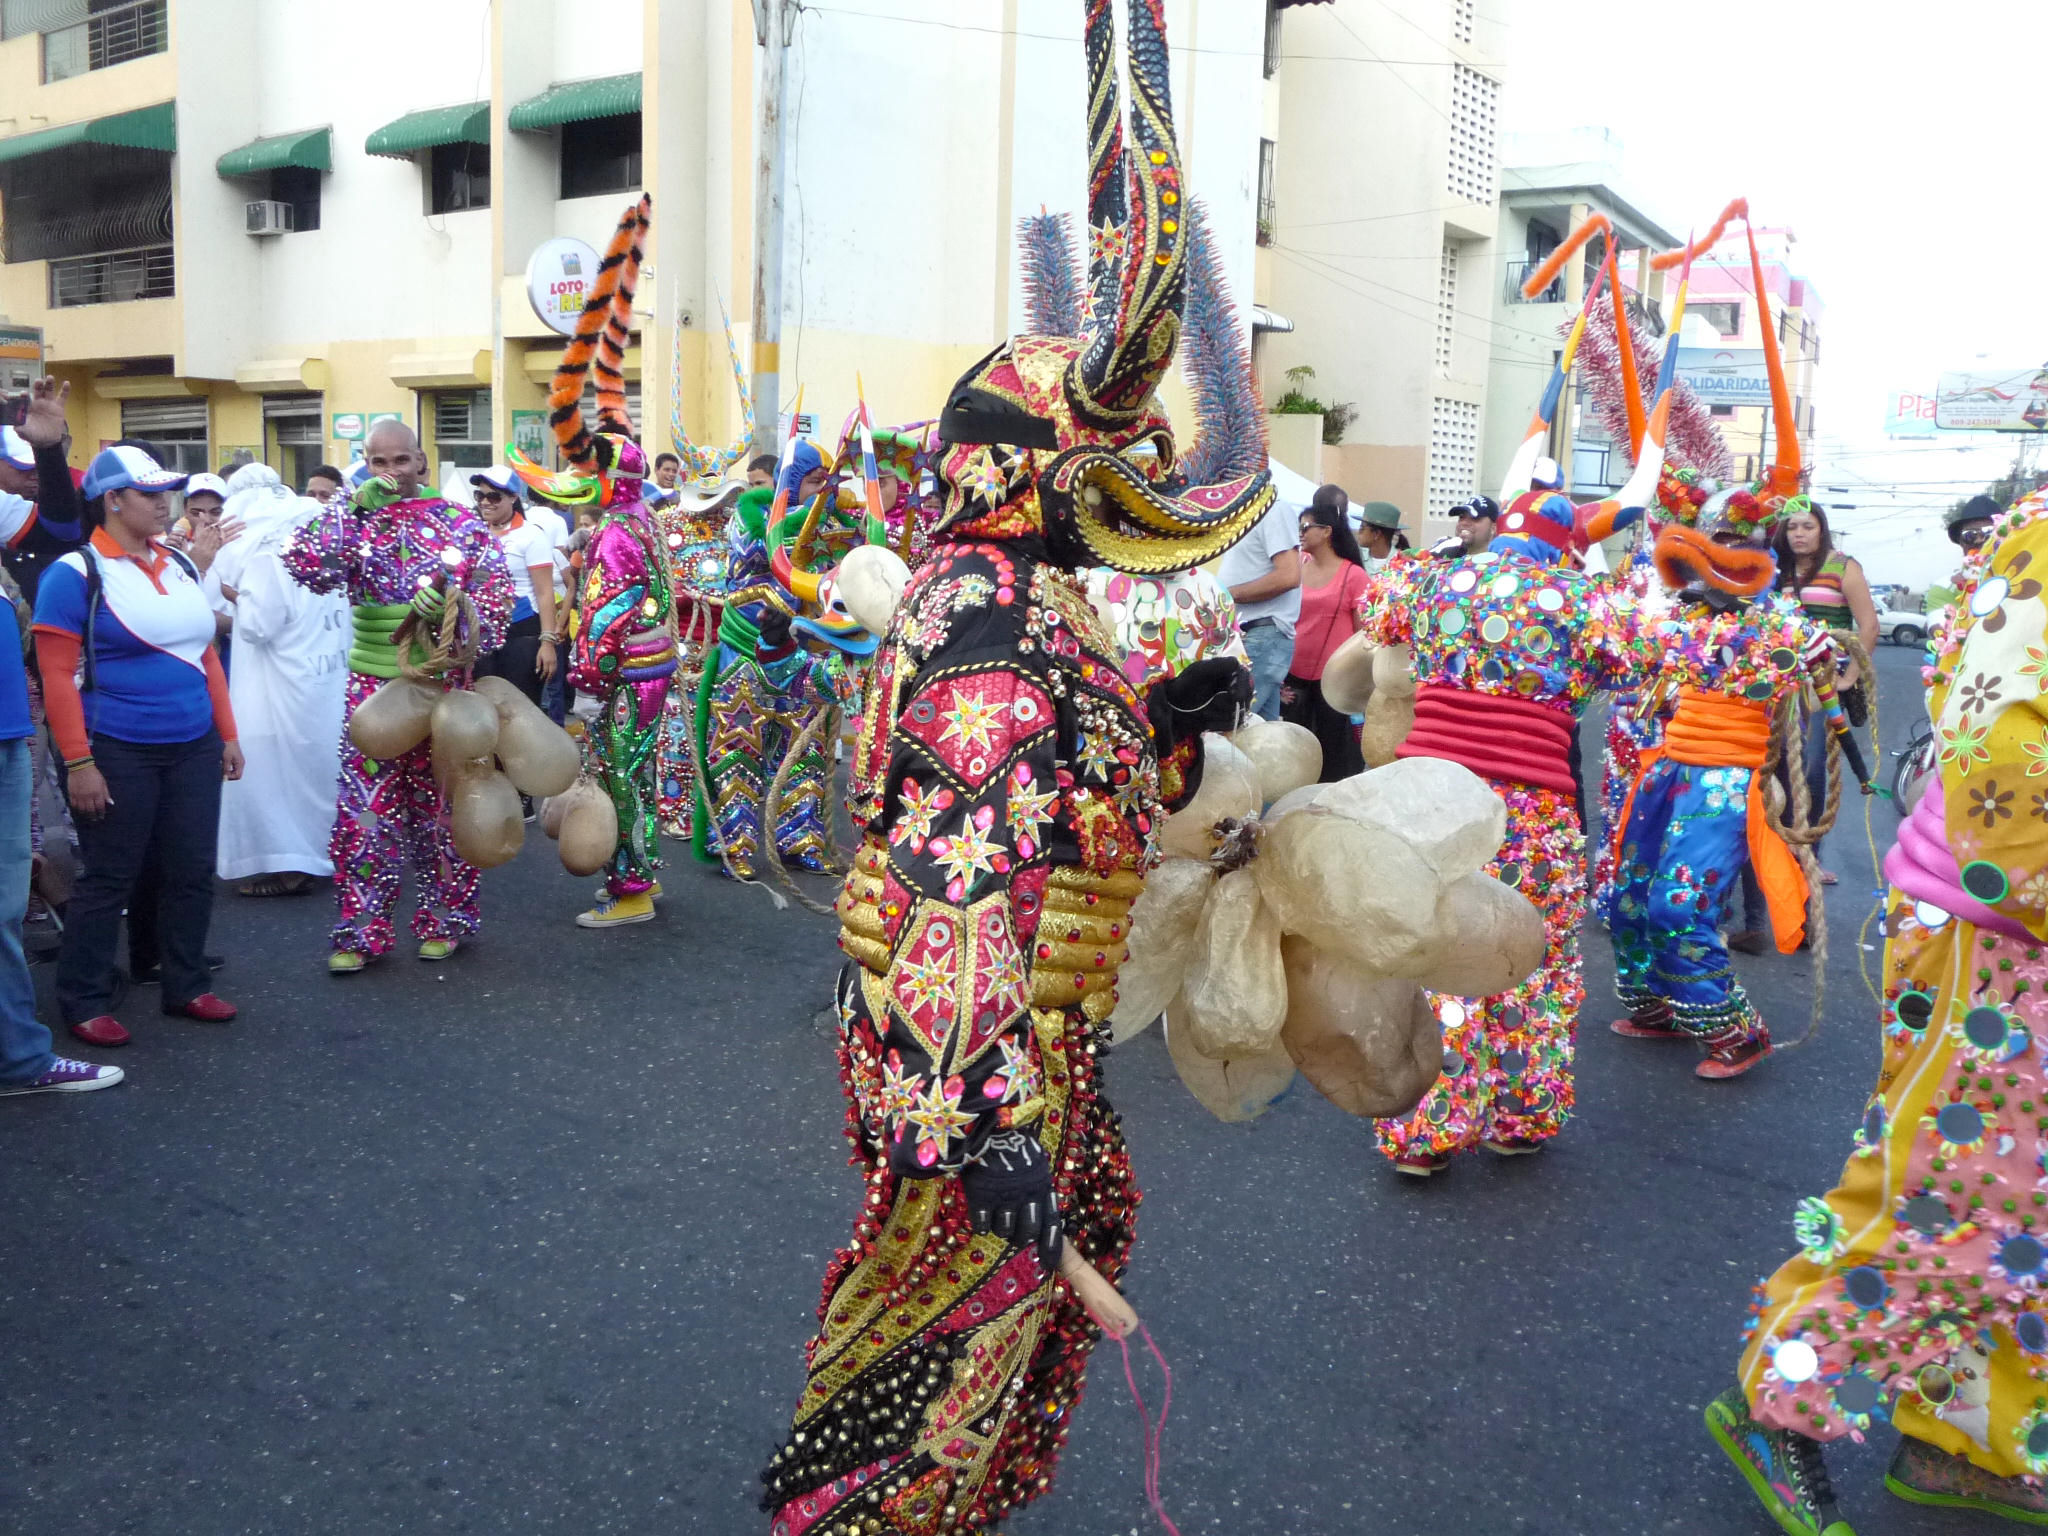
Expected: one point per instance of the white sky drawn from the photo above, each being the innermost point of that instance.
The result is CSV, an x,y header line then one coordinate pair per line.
x,y
1901,142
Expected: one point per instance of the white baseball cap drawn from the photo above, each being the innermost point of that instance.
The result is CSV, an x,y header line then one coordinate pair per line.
x,y
1547,474
205,482
16,450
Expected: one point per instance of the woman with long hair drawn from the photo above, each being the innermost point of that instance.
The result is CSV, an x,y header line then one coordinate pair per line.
x,y
1830,589
1332,581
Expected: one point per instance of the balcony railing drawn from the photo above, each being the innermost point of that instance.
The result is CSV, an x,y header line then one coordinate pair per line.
x,y
112,277
106,38
1520,270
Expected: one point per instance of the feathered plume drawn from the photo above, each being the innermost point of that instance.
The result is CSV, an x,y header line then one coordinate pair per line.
x,y
1055,302
1230,437
1694,441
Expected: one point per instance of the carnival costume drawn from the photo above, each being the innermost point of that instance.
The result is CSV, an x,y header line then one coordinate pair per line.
x,y
1728,656
770,684
1007,787
1917,1294
692,530
624,652
391,557
1507,648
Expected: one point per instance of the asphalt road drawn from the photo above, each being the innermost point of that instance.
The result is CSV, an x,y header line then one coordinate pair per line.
x,y
530,1243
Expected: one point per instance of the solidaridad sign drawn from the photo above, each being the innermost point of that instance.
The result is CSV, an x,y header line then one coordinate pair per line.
x,y
558,275
1724,376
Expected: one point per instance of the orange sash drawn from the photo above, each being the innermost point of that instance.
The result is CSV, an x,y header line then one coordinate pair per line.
x,y
1712,730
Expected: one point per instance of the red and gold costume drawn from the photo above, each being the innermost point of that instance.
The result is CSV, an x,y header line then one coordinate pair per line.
x,y
1008,786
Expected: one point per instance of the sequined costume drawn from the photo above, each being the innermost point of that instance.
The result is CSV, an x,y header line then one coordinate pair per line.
x,y
1507,649
389,813
625,656
1007,786
756,700
694,543
1918,1293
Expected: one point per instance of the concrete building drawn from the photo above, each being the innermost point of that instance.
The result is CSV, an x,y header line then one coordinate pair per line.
x,y
258,224
1379,224
1552,184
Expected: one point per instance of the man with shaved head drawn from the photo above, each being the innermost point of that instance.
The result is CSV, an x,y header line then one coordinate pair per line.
x,y
394,551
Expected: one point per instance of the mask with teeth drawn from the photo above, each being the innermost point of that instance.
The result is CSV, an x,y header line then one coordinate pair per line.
x,y
1063,439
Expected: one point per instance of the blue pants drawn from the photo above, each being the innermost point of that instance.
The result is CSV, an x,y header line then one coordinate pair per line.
x,y
1682,852
1272,653
24,1041
165,805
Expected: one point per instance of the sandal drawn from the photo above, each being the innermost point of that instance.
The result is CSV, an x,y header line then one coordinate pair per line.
x,y
293,884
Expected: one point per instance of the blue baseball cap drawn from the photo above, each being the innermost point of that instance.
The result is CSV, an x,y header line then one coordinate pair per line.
x,y
121,469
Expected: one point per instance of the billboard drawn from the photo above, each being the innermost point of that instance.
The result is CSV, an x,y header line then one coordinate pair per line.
x,y
1725,375
1993,402
1909,413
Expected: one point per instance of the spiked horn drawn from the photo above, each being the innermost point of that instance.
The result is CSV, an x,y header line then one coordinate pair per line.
x,y
1784,475
1054,302
1138,269
707,463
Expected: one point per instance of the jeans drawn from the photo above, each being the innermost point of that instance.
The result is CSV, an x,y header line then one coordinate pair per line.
x,y
1272,653
24,1041
517,661
165,804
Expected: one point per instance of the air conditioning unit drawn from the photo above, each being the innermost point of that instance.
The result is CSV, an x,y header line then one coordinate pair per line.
x,y
268,218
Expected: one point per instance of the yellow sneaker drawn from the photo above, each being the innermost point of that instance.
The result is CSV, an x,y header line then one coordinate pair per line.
x,y
618,912
345,962
436,949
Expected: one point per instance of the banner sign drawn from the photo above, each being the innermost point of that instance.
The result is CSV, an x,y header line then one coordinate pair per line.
x,y
530,434
558,275
1725,376
1993,402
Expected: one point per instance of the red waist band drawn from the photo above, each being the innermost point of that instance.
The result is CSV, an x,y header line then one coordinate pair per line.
x,y
1496,736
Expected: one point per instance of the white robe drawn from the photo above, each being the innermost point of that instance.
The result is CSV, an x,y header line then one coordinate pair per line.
x,y
286,677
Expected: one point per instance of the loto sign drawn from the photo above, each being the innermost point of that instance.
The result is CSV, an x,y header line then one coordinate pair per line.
x,y
558,275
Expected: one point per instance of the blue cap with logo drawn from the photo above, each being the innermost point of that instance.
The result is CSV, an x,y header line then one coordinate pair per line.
x,y
124,468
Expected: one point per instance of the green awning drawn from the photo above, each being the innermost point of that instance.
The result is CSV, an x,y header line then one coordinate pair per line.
x,y
576,101
469,123
311,150
145,128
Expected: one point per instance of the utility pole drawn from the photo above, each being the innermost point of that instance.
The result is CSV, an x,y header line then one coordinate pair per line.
x,y
774,28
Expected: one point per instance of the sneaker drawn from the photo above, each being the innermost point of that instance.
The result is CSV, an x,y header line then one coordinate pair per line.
x,y
104,1031
1512,1146
207,1008
66,1076
1748,941
1634,1029
1925,1474
436,949
346,962
1732,1051
619,912
1421,1165
1784,1469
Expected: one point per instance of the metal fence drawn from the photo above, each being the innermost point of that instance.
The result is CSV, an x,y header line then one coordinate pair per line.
x,y
111,277
1518,271
106,38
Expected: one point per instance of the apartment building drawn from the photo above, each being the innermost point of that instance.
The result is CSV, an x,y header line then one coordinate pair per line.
x,y
1553,183
258,225
1379,222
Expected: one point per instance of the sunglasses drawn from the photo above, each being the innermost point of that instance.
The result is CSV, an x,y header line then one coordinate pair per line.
x,y
492,496
1974,538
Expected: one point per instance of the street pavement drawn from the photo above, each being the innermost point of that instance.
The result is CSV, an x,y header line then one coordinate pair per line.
x,y
531,1242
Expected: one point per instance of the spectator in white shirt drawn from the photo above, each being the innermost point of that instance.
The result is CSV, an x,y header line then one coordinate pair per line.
x,y
1263,572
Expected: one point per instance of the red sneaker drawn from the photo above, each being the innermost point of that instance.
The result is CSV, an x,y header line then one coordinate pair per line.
x,y
1732,1051
207,1008
105,1030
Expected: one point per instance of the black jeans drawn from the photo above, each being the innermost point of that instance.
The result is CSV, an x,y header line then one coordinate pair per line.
x,y
165,808
517,659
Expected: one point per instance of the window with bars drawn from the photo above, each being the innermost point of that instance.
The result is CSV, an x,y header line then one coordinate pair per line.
x,y
1447,309
1272,39
177,429
84,35
1475,99
462,428
1461,21
1453,453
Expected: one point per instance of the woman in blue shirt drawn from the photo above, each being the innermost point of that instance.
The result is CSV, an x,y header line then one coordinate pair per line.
x,y
146,741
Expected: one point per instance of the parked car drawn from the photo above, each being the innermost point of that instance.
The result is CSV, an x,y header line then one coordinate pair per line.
x,y
1901,628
